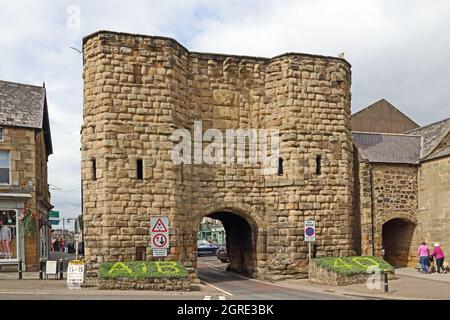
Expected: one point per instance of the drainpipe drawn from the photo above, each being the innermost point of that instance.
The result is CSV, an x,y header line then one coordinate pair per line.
x,y
372,208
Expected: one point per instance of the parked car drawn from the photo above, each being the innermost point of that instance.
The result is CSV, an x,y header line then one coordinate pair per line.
x,y
205,248
222,254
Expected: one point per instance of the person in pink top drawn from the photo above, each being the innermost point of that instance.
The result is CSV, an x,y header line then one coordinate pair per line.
x,y
423,254
439,255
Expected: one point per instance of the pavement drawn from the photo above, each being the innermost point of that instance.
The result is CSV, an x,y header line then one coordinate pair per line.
x,y
409,285
217,284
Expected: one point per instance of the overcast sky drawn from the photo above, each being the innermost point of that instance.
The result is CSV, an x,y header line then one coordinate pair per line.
x,y
399,50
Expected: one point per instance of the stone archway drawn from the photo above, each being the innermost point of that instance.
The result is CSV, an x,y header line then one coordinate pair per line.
x,y
241,240
397,235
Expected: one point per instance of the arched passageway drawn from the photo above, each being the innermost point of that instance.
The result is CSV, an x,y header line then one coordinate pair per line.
x,y
397,237
240,241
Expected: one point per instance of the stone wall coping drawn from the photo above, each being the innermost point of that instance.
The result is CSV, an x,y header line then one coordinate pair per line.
x,y
218,55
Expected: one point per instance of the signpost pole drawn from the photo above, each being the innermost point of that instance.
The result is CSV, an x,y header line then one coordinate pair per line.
x,y
309,250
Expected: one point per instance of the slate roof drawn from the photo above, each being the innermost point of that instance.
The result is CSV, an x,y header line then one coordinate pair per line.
x,y
25,106
21,105
388,147
439,154
432,135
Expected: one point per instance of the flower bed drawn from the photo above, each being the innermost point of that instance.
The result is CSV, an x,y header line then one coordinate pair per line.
x,y
142,270
347,270
148,275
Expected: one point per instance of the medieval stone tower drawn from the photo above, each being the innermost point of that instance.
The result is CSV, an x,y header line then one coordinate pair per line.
x,y
138,89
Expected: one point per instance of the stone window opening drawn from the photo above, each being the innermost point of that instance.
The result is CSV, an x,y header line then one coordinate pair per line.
x,y
319,165
4,167
94,169
141,254
280,167
140,169
137,74
2,137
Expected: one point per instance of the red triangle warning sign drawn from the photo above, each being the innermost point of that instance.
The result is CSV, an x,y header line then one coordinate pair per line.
x,y
159,226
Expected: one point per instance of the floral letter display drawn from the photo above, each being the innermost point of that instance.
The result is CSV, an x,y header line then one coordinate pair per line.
x,y
142,270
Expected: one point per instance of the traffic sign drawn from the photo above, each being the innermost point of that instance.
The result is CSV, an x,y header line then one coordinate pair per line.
x,y
310,231
160,253
159,233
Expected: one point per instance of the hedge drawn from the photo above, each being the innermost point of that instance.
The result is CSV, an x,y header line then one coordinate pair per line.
x,y
142,270
353,265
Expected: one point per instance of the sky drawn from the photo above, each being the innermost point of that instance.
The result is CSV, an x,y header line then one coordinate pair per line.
x,y
399,50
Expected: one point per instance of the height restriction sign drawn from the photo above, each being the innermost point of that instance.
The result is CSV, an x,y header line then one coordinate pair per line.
x,y
159,232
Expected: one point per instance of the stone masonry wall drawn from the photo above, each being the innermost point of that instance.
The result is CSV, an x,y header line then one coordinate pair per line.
x,y
434,204
389,191
138,89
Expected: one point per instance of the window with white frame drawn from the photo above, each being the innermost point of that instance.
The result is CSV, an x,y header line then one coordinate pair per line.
x,y
4,167
1,135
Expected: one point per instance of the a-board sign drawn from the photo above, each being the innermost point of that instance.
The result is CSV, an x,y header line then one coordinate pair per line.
x,y
51,268
75,274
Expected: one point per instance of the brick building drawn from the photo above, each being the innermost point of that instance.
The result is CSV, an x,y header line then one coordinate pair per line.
x,y
402,186
25,145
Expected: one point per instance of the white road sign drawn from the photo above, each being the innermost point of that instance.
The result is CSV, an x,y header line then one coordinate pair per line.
x,y
160,253
159,233
310,231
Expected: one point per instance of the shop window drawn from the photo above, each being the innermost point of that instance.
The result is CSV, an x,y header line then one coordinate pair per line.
x,y
8,234
4,167
140,169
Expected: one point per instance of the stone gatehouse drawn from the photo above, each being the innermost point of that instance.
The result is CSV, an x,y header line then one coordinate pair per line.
x,y
138,89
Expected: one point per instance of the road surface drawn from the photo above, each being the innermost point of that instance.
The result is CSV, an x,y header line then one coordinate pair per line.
x,y
235,287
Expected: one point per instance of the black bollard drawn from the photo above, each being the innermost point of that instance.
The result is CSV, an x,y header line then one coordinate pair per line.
x,y
386,284
61,270
20,269
41,272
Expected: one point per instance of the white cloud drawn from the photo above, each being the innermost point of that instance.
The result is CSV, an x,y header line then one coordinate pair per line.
x,y
399,51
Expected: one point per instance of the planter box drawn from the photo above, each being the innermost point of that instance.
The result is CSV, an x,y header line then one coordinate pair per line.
x,y
321,275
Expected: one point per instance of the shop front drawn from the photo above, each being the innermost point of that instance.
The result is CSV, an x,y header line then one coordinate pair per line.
x,y
12,240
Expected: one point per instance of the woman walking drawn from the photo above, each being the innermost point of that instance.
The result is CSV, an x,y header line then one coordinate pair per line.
x,y
423,254
439,255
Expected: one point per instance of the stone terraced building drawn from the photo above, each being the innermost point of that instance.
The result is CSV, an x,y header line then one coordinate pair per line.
x,y
25,146
402,184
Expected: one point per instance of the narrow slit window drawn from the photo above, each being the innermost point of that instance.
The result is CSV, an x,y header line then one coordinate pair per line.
x,y
319,165
94,169
280,167
140,169
137,74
